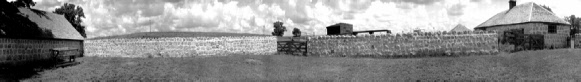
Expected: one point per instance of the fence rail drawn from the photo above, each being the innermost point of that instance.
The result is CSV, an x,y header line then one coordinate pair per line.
x,y
292,47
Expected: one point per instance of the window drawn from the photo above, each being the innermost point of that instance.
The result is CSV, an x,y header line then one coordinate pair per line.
x,y
552,29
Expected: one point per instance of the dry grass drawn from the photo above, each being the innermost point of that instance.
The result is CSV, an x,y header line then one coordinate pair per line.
x,y
530,65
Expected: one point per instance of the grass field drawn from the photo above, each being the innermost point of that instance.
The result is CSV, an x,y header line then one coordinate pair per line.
x,y
564,65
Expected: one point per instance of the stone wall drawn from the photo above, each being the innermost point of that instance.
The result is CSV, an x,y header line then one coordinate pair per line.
x,y
17,50
180,46
404,45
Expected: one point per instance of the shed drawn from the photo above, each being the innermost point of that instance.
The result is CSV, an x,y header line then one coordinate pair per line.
x,y
340,29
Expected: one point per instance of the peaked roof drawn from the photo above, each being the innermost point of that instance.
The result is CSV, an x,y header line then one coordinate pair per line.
x,y
460,28
527,12
55,23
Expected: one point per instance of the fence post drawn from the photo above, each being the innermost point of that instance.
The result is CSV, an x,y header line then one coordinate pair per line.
x,y
306,47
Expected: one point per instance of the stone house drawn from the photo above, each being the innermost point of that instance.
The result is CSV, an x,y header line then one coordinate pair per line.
x,y
532,19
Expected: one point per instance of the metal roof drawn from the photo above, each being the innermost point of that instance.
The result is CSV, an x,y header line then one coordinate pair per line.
x,y
57,24
527,12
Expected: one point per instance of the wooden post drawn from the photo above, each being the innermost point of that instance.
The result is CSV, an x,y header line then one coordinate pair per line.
x,y
572,39
306,47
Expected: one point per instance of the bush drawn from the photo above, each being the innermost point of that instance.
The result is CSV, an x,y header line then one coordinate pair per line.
x,y
296,32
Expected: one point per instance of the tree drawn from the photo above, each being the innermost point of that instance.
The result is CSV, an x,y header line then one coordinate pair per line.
x,y
73,14
297,32
23,3
547,7
278,29
575,23
13,24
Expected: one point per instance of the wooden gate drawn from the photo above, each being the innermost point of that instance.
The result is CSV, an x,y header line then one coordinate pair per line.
x,y
521,41
292,47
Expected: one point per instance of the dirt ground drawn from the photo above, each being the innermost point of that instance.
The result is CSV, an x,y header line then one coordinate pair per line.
x,y
546,65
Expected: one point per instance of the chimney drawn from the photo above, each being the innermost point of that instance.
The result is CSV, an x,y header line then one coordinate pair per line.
x,y
511,4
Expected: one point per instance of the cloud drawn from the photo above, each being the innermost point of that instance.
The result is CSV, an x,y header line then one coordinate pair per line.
x,y
113,17
420,2
476,1
456,10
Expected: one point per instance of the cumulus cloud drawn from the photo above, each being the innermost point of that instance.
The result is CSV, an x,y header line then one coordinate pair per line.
x,y
456,10
476,1
113,17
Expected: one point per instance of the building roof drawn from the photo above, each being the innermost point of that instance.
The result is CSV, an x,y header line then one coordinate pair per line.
x,y
55,23
527,12
460,28
339,24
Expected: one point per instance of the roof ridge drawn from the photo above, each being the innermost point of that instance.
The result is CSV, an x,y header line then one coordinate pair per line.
x,y
531,11
545,9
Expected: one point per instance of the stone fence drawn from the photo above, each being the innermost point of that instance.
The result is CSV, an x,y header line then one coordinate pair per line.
x,y
180,46
412,45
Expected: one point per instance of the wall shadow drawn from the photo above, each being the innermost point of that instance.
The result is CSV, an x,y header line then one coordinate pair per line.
x,y
22,70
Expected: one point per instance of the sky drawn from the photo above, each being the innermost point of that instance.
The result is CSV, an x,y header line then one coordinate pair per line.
x,y
115,17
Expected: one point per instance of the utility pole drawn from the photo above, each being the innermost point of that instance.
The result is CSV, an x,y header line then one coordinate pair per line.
x,y
149,27
263,29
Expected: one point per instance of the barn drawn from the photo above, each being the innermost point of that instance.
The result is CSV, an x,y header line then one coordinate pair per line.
x,y
340,29
18,46
531,18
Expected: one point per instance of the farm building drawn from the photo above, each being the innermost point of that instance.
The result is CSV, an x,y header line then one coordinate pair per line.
x,y
340,29
347,29
460,28
531,18
16,46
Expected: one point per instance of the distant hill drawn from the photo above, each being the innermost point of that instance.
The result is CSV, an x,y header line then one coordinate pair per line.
x,y
176,34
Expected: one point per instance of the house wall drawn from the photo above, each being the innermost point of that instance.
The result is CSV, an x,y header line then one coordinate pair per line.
x,y
405,45
26,50
180,46
557,40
